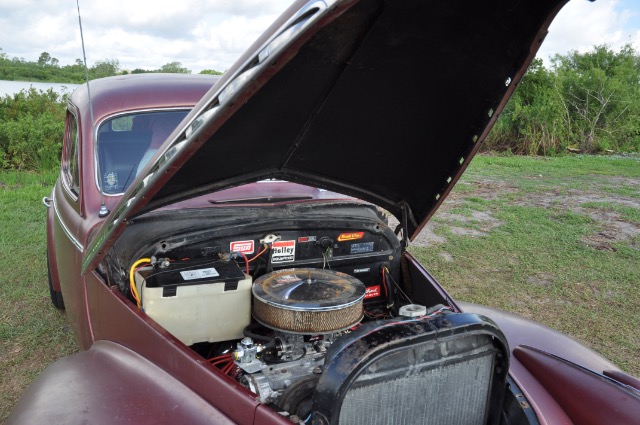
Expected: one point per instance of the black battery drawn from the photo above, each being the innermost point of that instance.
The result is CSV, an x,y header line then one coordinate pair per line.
x,y
192,272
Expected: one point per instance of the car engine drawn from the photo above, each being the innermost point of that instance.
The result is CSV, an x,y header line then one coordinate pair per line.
x,y
313,317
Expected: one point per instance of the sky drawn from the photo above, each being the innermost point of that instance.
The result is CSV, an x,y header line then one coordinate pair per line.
x,y
212,34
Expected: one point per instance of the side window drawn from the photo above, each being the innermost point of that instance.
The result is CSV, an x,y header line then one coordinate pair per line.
x,y
70,161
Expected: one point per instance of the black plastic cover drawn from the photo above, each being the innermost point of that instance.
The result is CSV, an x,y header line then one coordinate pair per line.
x,y
192,272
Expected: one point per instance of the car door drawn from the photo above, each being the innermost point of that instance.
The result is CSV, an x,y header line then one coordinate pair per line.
x,y
68,238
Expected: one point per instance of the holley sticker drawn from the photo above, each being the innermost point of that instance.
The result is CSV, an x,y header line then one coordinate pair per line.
x,y
350,236
283,251
245,247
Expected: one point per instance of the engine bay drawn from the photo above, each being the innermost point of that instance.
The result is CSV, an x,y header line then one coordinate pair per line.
x,y
268,300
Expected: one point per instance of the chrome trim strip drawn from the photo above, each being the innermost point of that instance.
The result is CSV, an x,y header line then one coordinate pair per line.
x,y
66,185
66,230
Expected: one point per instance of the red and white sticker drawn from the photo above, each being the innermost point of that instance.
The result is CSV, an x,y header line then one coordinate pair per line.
x,y
372,292
283,251
245,247
351,236
303,239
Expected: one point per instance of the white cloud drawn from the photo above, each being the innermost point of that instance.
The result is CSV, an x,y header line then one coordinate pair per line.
x,y
212,34
581,24
140,33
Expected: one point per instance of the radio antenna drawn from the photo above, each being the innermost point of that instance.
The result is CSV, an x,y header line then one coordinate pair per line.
x,y
103,208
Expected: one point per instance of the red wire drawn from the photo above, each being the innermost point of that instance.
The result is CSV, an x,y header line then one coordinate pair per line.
x,y
223,356
246,261
228,368
384,282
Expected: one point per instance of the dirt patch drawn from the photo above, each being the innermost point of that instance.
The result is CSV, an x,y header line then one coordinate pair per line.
x,y
446,256
541,279
480,223
615,228
490,189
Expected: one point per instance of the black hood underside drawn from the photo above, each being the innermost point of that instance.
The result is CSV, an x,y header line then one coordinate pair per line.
x,y
386,103
383,100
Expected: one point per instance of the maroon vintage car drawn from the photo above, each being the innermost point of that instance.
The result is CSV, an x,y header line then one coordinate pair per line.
x,y
230,260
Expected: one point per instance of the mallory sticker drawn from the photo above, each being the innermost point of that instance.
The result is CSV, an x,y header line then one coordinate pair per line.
x,y
245,247
283,251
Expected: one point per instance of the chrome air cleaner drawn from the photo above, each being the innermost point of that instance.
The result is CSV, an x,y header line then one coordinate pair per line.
x,y
308,301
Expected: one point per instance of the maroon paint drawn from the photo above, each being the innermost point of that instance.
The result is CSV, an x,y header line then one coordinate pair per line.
x,y
110,384
51,254
68,260
521,331
624,378
430,280
586,397
166,371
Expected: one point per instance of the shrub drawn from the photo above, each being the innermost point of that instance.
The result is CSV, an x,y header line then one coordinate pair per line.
x,y
31,130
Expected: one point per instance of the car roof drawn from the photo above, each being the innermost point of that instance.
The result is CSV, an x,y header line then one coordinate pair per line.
x,y
141,91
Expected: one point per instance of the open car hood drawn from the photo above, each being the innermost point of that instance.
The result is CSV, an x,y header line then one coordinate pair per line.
x,y
383,100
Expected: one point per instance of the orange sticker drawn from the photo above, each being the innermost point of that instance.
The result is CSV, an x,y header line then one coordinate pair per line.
x,y
350,236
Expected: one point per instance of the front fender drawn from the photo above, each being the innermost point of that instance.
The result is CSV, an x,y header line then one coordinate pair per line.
x,y
563,381
521,331
110,384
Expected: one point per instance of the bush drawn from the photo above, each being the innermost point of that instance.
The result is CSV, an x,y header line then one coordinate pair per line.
x,y
587,102
31,130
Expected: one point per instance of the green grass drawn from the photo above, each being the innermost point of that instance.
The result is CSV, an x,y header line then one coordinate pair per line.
x,y
545,260
630,214
32,333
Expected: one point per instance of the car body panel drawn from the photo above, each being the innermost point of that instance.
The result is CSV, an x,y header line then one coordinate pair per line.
x,y
523,332
68,245
587,398
110,384
73,216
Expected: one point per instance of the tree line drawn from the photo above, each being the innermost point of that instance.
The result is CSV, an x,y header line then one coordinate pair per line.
x,y
48,69
583,102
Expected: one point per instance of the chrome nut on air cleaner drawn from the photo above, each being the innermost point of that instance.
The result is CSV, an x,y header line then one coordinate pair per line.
x,y
308,301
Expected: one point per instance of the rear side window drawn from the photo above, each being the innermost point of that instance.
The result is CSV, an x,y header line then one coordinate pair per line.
x,y
70,161
127,142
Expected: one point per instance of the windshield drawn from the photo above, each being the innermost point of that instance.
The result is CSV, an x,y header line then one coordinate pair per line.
x,y
127,142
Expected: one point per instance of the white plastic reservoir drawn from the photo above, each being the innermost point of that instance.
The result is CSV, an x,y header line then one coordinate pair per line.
x,y
197,302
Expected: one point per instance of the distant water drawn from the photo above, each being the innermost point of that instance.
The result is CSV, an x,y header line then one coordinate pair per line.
x,y
12,87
